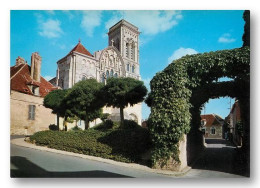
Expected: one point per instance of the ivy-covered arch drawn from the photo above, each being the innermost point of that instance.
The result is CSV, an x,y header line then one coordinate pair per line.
x,y
179,91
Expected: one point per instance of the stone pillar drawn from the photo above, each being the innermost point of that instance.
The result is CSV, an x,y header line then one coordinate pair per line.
x,y
172,164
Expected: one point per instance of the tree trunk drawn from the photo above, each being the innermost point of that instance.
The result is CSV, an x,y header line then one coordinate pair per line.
x,y
121,117
86,122
58,121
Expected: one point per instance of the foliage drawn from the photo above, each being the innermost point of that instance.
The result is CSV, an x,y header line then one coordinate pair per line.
x,y
119,92
121,145
130,124
54,99
83,100
246,35
53,127
180,90
108,124
104,116
76,128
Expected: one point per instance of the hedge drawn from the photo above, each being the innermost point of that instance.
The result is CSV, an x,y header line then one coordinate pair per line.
x,y
119,144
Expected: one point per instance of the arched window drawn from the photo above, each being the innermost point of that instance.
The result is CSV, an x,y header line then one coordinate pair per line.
x,y
115,75
107,74
128,67
133,51
133,69
111,73
213,130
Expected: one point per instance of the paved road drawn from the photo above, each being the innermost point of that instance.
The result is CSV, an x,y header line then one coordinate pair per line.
x,y
220,159
26,162
217,161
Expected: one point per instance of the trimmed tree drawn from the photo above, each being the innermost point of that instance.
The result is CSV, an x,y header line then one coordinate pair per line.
x,y
83,101
119,92
54,101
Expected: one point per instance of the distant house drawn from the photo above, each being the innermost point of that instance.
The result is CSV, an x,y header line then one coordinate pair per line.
x,y
212,125
234,118
28,88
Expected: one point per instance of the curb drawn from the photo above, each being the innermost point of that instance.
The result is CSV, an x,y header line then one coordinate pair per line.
x,y
21,142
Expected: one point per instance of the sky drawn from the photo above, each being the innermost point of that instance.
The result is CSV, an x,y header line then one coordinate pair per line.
x,y
165,36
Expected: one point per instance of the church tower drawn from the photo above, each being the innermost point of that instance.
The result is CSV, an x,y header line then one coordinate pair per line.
x,y
125,37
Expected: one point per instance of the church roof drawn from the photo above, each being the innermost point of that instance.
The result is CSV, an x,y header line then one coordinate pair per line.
x,y
81,49
20,78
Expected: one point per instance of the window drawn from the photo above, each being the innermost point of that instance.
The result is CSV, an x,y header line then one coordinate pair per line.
x,y
127,50
116,75
128,67
103,78
107,74
213,130
133,69
133,51
32,112
84,78
111,73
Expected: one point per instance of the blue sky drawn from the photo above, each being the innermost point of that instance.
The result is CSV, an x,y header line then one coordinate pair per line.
x,y
165,36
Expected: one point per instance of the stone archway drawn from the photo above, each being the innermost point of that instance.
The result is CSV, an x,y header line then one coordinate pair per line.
x,y
178,92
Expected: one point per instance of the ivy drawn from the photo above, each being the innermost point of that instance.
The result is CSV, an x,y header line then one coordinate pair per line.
x,y
180,90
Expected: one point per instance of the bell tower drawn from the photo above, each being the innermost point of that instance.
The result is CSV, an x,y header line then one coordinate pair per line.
x,y
125,37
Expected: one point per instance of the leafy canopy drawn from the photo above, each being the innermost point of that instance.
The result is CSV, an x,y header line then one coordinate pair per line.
x,y
54,101
82,100
119,92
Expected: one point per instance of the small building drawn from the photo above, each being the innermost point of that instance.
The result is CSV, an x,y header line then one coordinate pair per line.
x,y
27,90
212,125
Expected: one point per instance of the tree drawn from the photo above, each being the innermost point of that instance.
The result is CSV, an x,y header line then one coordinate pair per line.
x,y
83,100
246,35
119,92
54,101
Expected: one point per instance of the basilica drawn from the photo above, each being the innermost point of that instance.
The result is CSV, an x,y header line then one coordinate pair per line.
x,y
119,59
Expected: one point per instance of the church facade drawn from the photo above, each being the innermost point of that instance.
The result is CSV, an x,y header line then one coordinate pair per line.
x,y
119,59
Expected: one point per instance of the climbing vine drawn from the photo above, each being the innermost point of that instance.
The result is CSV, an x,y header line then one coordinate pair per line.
x,y
179,91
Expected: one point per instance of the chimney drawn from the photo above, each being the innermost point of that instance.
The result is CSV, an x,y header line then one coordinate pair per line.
x,y
19,61
36,62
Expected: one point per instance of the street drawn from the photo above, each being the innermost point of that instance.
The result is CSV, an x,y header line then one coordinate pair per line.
x,y
217,161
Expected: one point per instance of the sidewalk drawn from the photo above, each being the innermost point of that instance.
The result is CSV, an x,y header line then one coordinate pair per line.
x,y
21,142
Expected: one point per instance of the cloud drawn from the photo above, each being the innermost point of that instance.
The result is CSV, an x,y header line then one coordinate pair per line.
x,y
181,52
148,22
226,38
49,28
90,20
69,14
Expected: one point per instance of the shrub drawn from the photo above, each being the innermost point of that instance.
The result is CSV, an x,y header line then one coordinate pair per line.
x,y
76,128
130,124
108,124
53,127
120,145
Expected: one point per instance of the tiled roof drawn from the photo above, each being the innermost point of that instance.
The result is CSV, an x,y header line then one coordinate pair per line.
x,y
211,120
81,49
21,78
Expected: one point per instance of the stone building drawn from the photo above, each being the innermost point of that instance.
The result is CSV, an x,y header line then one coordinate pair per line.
x,y
28,88
119,59
212,125
234,117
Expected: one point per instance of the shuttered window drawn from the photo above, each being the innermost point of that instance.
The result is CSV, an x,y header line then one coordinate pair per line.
x,y
32,112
